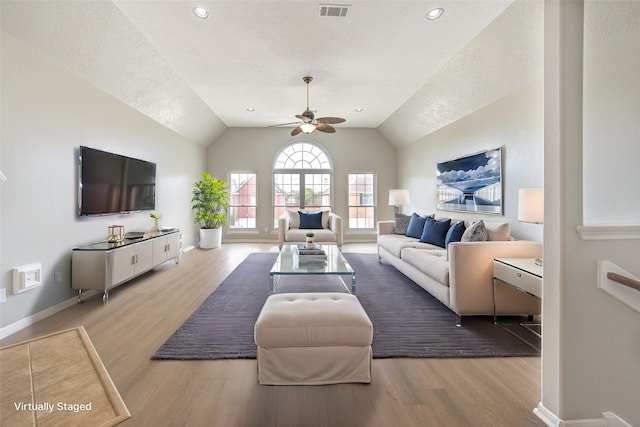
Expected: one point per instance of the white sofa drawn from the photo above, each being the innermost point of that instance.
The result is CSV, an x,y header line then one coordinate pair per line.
x,y
289,230
462,279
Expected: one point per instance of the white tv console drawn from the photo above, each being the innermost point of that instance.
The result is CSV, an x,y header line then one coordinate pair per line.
x,y
103,266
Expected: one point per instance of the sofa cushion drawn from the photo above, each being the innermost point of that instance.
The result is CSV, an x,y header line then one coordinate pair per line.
x,y
454,234
299,235
395,243
435,231
498,231
294,219
401,223
416,225
477,232
311,220
432,263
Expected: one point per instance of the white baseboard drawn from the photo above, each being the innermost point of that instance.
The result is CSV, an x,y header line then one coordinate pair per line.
x,y
609,419
614,421
548,417
30,320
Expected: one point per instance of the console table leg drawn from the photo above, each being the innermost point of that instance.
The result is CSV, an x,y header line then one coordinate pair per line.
x,y
105,297
495,315
80,296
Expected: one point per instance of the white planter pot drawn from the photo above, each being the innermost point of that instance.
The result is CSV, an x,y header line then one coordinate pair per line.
x,y
210,238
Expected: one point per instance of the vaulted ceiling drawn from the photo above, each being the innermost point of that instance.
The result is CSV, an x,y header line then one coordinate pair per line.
x,y
410,76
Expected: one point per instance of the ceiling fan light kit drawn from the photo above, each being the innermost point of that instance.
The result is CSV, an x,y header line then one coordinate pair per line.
x,y
309,122
307,128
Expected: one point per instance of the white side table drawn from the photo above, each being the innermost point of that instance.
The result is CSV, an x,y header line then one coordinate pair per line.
x,y
523,274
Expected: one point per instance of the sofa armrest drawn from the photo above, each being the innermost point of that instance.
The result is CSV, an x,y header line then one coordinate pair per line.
x,y
385,227
335,225
471,275
283,227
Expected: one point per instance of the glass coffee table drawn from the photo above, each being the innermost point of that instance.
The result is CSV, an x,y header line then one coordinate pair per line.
x,y
289,264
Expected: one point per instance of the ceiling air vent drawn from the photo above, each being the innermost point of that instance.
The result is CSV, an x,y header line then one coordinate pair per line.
x,y
334,10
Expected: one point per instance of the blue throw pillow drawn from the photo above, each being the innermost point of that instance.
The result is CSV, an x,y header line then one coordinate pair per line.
x,y
455,233
310,219
434,231
416,225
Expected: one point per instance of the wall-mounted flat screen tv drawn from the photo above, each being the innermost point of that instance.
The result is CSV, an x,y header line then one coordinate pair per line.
x,y
112,184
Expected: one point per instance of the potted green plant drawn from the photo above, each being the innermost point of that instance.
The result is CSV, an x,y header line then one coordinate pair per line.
x,y
310,235
210,202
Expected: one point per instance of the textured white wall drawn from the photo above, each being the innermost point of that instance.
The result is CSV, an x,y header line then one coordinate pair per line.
x,y
351,150
514,122
611,105
47,113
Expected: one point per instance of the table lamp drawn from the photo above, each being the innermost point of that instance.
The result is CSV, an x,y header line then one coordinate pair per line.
x,y
531,207
398,198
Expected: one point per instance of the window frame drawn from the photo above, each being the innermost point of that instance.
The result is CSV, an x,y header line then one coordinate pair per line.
x,y
243,205
358,205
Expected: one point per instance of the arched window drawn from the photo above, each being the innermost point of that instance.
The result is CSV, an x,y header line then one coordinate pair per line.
x,y
302,155
301,179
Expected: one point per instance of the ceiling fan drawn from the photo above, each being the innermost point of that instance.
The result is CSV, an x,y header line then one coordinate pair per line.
x,y
309,122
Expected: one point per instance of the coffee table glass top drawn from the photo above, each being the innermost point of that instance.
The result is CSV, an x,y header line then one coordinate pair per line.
x,y
288,262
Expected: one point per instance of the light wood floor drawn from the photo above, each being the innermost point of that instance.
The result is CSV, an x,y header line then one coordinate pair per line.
x,y
141,315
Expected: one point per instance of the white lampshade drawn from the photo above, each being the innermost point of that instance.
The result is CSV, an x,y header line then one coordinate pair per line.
x,y
307,128
531,205
398,197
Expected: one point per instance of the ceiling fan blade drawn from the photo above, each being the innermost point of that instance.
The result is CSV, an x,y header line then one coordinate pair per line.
x,y
296,131
285,124
304,118
323,127
331,120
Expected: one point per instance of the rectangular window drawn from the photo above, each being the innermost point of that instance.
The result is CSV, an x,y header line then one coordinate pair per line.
x,y
317,191
286,194
242,200
362,205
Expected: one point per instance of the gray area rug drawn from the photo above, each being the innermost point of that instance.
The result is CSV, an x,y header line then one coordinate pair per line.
x,y
407,320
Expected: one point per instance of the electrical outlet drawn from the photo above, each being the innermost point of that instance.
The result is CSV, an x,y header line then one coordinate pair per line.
x,y
3,295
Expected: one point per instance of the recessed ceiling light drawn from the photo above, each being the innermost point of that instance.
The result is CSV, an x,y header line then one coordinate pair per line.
x,y
251,109
434,14
201,12
359,110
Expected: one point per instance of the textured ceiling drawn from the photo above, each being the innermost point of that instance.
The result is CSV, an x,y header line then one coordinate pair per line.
x,y
505,57
198,77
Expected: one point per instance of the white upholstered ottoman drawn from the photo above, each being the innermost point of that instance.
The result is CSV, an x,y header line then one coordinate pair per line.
x,y
313,338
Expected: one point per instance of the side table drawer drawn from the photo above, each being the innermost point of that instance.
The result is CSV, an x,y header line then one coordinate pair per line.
x,y
518,278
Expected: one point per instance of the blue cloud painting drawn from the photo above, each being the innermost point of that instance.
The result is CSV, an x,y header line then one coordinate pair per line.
x,y
472,183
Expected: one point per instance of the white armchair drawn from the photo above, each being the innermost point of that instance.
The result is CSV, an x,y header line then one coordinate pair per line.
x,y
289,230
